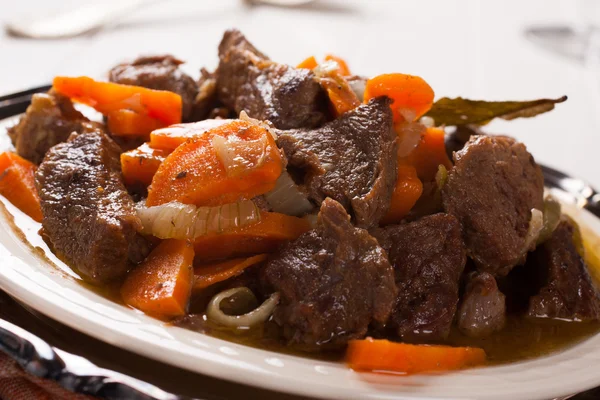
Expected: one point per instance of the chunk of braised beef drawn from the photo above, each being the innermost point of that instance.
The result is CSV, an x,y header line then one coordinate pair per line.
x,y
206,100
567,290
160,73
88,216
49,120
482,310
428,257
248,81
334,282
492,188
352,159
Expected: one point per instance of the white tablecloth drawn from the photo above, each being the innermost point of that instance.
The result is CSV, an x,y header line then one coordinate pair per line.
x,y
469,48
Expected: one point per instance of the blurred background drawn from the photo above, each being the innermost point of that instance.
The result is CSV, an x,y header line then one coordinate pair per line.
x,y
494,50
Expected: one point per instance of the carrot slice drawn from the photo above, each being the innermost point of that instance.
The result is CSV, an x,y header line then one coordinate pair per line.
x,y
207,275
161,285
263,237
343,69
108,97
17,184
171,137
341,95
386,356
139,165
429,154
406,193
408,92
195,173
309,63
131,123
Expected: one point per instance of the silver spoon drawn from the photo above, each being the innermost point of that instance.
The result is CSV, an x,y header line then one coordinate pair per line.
x,y
73,22
89,17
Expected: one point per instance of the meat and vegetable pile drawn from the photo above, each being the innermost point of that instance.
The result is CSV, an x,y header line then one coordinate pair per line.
x,y
328,211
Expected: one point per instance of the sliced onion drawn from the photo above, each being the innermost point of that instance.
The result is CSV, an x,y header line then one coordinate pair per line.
x,y
239,155
408,114
185,221
409,134
287,198
358,86
536,224
552,214
427,121
257,316
264,124
325,69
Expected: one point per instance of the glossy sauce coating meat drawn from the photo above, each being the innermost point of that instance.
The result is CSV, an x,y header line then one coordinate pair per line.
x,y
482,309
351,159
428,257
248,81
334,282
49,120
567,290
88,216
159,73
492,189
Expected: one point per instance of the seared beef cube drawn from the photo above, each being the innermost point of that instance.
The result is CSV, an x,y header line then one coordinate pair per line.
x,y
206,100
159,73
334,281
428,257
49,120
248,81
482,309
88,216
567,291
494,185
352,159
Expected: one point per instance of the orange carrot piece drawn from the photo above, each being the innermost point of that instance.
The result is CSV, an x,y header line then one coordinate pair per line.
x,y
161,286
386,356
341,95
407,92
139,165
131,123
206,275
309,63
429,154
406,193
263,237
343,70
194,173
171,137
17,184
108,97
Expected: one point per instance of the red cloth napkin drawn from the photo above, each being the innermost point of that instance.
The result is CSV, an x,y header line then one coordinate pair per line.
x,y
16,384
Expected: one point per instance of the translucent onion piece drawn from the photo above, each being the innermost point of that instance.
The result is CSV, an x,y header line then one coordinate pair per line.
x,y
427,121
536,224
257,316
552,213
408,114
239,155
185,221
358,87
287,198
264,124
441,177
409,135
325,69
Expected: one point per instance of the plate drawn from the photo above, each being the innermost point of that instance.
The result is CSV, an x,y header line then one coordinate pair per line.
x,y
33,275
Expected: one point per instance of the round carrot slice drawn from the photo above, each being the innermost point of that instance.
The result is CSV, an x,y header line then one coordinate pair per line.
x,y
408,92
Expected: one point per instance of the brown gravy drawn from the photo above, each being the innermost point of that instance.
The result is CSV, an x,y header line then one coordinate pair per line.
x,y
520,339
